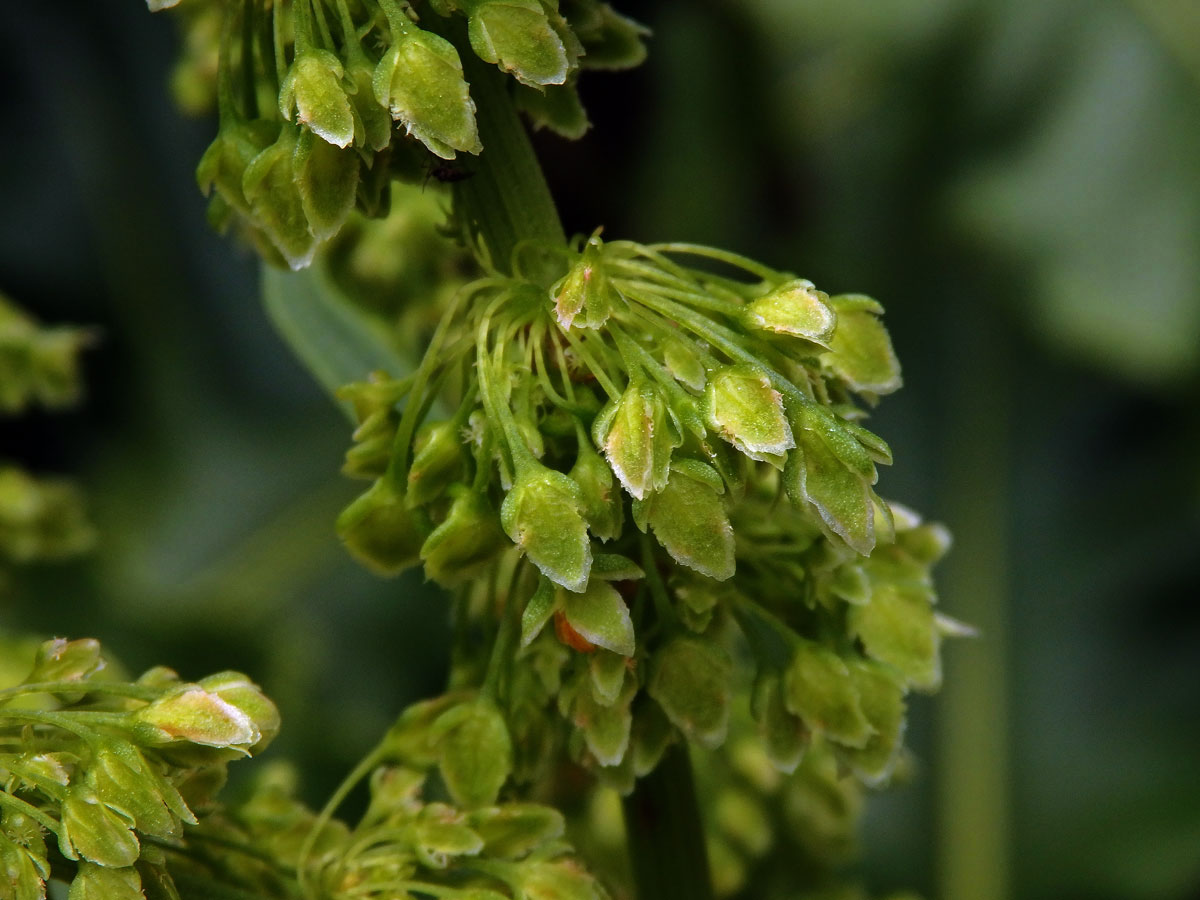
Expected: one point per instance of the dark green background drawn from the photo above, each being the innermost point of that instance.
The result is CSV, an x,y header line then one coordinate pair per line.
x,y
1018,183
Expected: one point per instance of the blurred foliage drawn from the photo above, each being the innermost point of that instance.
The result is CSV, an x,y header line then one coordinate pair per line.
x,y
1019,183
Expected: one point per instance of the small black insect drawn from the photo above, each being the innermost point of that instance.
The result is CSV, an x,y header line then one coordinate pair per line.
x,y
448,171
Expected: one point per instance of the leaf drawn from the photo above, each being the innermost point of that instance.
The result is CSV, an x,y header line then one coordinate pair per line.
x,y
332,338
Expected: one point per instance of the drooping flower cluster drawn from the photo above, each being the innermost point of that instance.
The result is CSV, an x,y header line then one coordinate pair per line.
x,y
323,102
636,397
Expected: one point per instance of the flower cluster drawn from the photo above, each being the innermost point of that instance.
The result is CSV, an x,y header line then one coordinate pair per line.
x,y
323,102
557,424
98,775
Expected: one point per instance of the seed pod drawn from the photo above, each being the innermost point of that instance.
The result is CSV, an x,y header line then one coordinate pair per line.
x,y
468,539
313,89
638,436
380,531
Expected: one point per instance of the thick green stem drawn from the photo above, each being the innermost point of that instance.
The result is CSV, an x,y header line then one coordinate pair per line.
x,y
665,833
505,198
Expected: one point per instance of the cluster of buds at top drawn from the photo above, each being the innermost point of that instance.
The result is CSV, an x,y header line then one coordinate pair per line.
x,y
631,428
109,770
37,364
322,102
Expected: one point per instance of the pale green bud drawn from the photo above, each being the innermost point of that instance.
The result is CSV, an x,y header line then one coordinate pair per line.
x,y
795,308
688,518
276,207
380,531
744,409
122,781
63,660
441,833
543,515
599,615
684,363
605,727
861,351
196,716
420,80
601,498
437,461
691,680
517,36
585,298
897,626
638,435
819,689
468,539
562,879
785,738
476,754
882,700
327,180
511,831
236,689
313,89
22,874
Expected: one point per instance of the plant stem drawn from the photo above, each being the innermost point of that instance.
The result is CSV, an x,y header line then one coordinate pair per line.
x,y
506,199
665,833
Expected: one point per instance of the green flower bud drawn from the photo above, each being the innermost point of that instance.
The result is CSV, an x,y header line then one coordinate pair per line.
x,y
223,165
437,461
691,680
607,671
600,616
476,752
380,531
638,435
606,727
517,36
442,832
420,80
585,290
562,879
238,690
63,660
783,733
327,179
543,515
794,308
511,831
688,518
313,88
276,207
684,363
555,106
744,409
819,689
861,352
92,831
538,610
93,882
468,539
22,874
830,470
373,122
882,700
601,499
196,716
610,40
898,627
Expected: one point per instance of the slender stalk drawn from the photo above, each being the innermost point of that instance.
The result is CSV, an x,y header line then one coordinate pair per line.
x,y
665,833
